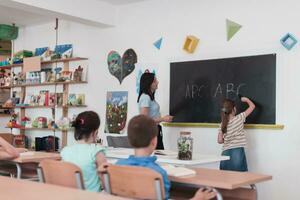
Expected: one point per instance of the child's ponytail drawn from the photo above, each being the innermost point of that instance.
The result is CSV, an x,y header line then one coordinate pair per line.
x,y
84,124
228,106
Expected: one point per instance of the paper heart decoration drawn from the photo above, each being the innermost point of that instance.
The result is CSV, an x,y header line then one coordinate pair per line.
x,y
121,67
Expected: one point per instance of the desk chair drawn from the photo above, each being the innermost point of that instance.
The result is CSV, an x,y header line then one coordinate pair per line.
x,y
8,137
134,182
121,141
9,169
60,173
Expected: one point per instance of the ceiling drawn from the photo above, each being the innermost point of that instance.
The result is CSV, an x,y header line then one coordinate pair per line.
x,y
10,15
121,2
20,17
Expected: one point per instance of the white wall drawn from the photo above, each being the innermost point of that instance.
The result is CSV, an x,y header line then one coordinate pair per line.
x,y
264,23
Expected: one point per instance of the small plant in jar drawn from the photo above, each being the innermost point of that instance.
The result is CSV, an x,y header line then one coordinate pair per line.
x,y
185,146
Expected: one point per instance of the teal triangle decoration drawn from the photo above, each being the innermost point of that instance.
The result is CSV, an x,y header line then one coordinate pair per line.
x,y
157,44
232,28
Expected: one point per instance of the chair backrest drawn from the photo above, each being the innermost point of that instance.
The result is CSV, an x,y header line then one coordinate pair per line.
x,y
8,137
134,182
120,141
60,173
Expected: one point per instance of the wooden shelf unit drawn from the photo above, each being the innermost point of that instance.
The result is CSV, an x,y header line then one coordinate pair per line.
x,y
65,95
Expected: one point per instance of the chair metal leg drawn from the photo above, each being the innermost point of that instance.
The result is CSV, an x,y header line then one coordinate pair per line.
x,y
253,186
40,175
219,195
79,181
107,183
19,170
158,190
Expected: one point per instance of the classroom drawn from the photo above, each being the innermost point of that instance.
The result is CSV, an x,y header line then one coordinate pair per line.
x,y
61,58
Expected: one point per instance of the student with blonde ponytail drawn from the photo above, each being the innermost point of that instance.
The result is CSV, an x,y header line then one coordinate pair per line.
x,y
232,135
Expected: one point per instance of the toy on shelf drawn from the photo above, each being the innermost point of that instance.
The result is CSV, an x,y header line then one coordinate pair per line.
x,y
18,57
78,74
52,124
13,121
40,122
64,123
26,122
8,104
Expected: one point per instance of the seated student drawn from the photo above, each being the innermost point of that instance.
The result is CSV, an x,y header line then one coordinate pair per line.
x,y
142,135
86,154
8,152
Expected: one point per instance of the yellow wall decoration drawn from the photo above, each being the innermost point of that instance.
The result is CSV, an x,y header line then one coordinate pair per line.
x,y
190,43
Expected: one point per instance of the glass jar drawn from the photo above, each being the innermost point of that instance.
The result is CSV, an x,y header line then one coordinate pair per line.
x,y
185,146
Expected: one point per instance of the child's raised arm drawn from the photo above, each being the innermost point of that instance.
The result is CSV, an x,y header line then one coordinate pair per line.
x,y
7,150
250,104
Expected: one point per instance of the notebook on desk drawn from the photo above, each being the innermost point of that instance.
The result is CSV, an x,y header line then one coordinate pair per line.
x,y
165,153
178,171
28,153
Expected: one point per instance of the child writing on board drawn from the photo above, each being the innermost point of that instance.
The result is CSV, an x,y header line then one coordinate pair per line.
x,y
232,135
86,154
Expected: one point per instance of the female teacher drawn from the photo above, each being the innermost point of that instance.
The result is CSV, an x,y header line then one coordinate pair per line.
x,y
148,106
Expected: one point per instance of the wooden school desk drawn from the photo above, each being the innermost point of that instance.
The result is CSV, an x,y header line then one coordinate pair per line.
x,y
30,157
169,157
220,179
15,189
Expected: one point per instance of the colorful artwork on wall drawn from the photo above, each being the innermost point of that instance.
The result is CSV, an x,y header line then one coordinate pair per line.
x,y
116,111
232,28
288,41
190,43
157,43
121,67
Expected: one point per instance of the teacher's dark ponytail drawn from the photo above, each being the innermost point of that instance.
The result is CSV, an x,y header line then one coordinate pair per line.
x,y
228,107
145,85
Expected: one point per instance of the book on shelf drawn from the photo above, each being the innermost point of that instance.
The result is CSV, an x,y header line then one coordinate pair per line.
x,y
76,99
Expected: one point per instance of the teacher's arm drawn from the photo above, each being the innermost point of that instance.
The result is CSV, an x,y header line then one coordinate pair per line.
x,y
166,118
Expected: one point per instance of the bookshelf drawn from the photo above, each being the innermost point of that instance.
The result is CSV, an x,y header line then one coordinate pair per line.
x,y
65,107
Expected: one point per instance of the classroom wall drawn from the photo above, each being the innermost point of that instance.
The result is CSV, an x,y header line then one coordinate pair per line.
x,y
273,152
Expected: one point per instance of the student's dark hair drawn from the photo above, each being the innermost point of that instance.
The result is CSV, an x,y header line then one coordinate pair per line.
x,y
85,124
141,130
228,107
145,85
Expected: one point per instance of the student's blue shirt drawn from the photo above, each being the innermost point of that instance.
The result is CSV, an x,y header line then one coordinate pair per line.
x,y
154,109
84,156
149,162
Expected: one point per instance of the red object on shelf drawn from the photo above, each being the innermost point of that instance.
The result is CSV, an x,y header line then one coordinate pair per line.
x,y
19,140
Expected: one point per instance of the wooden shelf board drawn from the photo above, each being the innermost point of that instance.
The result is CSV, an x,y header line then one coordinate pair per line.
x,y
51,83
4,115
44,129
68,106
63,60
45,62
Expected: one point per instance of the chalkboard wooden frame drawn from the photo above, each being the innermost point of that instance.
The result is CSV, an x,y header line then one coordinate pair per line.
x,y
217,125
264,63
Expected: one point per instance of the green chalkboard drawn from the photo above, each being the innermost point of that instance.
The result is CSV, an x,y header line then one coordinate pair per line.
x,y
197,88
